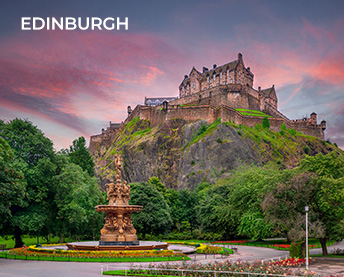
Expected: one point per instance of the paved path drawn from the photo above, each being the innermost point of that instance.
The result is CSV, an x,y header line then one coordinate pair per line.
x,y
247,253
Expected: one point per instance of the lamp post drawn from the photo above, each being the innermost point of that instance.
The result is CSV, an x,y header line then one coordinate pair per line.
x,y
307,261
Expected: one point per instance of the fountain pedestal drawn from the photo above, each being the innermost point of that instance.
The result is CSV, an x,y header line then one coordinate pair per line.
x,y
118,233
118,228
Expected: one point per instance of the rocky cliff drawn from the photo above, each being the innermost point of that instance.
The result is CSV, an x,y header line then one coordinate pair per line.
x,y
185,154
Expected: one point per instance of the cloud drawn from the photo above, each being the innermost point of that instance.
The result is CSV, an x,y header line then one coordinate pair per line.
x,y
71,77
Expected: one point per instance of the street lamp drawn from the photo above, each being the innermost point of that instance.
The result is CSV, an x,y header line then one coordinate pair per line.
x,y
307,261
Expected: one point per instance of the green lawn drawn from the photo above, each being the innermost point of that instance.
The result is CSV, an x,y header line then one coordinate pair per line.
x,y
27,240
122,272
332,256
271,243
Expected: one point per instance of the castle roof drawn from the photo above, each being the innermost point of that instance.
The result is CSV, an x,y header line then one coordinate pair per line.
x,y
228,66
158,101
267,91
216,71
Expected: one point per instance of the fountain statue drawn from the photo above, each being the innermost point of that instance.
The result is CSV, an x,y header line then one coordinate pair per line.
x,y
118,233
118,228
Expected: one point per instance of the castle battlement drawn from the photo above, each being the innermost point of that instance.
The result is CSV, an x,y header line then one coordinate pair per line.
x,y
212,94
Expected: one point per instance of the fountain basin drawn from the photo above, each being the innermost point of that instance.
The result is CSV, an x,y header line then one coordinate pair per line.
x,y
95,246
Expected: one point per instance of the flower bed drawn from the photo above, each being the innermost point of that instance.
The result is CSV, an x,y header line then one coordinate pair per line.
x,y
287,246
224,266
209,249
292,262
41,252
337,251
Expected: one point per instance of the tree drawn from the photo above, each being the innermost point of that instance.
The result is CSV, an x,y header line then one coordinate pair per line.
x,y
155,217
78,154
12,188
155,181
327,200
32,153
77,194
319,184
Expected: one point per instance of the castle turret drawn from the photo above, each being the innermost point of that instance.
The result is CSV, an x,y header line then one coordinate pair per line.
x,y
313,118
323,125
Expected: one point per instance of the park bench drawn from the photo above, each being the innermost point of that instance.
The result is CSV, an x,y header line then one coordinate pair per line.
x,y
2,246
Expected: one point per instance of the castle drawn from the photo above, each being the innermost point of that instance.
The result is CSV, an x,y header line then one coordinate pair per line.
x,y
224,92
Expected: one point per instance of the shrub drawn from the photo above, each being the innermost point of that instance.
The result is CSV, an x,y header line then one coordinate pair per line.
x,y
239,133
266,123
295,249
306,149
292,132
219,140
283,127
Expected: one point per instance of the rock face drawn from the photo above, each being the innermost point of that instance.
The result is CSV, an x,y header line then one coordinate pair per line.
x,y
185,154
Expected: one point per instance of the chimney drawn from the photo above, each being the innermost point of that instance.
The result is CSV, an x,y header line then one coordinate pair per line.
x,y
259,88
186,76
205,69
248,69
239,56
214,66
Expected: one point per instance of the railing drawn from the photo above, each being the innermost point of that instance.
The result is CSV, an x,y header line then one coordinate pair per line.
x,y
186,271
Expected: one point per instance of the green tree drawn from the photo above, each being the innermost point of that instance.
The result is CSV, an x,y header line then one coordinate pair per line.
x,y
155,181
12,189
327,200
183,204
78,154
32,152
155,217
77,194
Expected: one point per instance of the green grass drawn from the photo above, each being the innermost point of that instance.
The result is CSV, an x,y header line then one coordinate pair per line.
x,y
207,131
252,113
27,241
271,243
122,272
329,255
73,259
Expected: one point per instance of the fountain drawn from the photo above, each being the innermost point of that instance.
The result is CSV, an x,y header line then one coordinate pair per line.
x,y
118,232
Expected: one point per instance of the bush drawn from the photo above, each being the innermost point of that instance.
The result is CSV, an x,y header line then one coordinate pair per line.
x,y
295,249
219,140
292,132
306,149
283,127
266,123
239,133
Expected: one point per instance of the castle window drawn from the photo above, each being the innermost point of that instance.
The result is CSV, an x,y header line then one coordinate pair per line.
x,y
214,77
188,87
231,81
227,72
224,82
221,75
208,79
211,86
217,84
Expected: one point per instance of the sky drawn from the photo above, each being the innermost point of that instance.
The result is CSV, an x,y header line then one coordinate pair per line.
x,y
72,83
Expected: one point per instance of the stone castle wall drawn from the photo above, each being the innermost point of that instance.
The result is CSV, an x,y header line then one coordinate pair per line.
x,y
209,112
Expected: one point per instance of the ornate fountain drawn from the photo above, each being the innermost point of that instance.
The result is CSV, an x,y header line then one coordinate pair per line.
x,y
118,228
118,232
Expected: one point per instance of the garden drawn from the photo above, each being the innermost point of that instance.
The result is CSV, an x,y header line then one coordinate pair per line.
x,y
223,268
45,254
